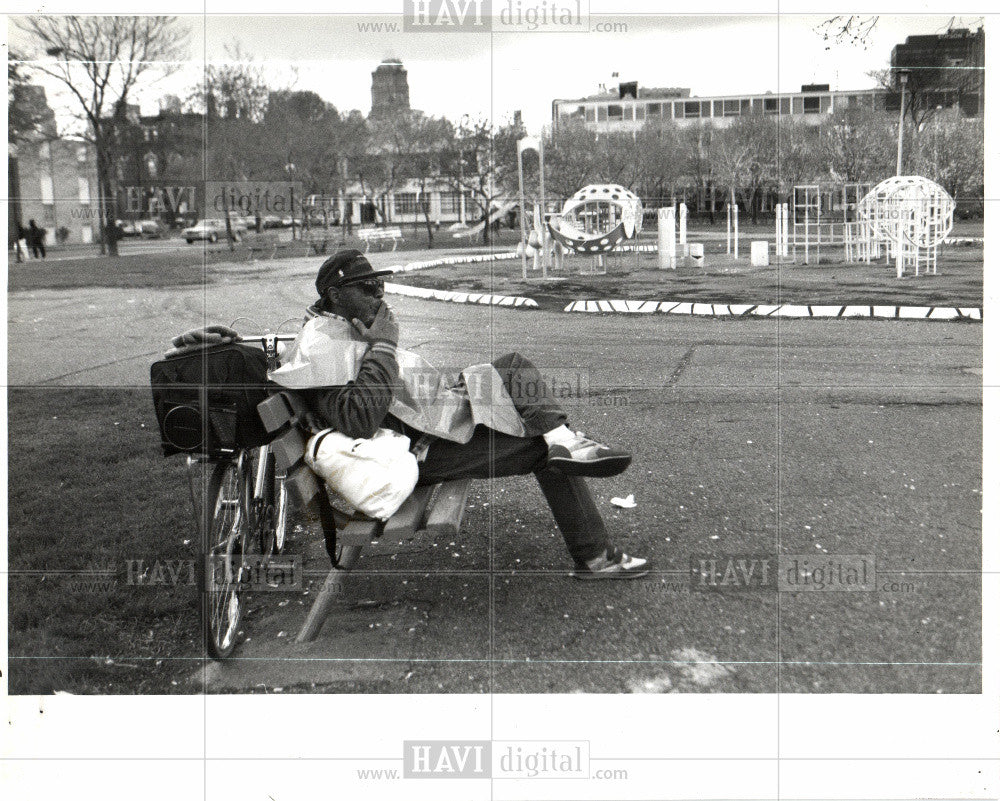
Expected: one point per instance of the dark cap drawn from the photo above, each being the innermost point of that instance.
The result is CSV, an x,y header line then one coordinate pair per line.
x,y
345,267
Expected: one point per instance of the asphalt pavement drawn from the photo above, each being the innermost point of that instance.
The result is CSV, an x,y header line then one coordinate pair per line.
x,y
750,436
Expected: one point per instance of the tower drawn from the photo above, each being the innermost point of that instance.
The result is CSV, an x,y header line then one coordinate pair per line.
x,y
390,89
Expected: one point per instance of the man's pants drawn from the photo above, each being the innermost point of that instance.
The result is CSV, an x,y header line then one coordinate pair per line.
x,y
491,454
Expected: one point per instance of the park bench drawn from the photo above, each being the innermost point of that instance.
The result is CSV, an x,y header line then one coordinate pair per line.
x,y
380,235
430,511
266,245
316,241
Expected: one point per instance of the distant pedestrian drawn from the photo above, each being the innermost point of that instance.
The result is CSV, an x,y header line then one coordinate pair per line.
x,y
36,240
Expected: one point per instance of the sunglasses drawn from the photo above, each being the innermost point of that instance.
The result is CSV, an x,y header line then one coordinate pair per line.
x,y
370,286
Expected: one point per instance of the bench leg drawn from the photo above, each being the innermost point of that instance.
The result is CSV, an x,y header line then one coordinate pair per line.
x,y
331,589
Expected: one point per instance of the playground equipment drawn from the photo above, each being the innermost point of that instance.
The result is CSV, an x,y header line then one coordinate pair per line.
x,y
497,212
912,216
541,246
821,214
596,219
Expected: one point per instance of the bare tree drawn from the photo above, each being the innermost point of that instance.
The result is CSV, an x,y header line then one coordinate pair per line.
x,y
483,163
102,61
853,29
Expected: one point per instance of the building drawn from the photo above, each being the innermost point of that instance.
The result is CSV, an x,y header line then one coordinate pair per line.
x,y
53,181
629,111
944,69
390,90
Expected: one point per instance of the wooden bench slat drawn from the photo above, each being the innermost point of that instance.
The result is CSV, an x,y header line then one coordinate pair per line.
x,y
358,532
410,515
275,411
446,514
303,484
289,448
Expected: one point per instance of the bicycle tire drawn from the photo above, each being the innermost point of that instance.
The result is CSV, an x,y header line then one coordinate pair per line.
x,y
225,532
268,514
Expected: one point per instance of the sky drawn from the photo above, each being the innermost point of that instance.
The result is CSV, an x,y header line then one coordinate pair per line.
x,y
493,75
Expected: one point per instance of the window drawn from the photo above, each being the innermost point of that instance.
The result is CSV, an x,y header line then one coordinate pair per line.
x,y
770,105
786,105
406,203
731,108
451,203
758,105
810,105
602,113
83,186
717,108
692,108
796,105
706,108
640,111
745,106
48,193
653,109
591,114
615,112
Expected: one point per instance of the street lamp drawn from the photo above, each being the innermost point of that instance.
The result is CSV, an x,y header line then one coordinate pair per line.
x,y
903,76
937,114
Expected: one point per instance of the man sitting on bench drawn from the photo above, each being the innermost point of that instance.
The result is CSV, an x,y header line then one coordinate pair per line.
x,y
355,379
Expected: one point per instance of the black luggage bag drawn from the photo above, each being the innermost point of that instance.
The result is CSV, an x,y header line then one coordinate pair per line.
x,y
206,401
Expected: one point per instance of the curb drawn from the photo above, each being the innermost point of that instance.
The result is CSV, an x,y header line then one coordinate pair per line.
x,y
460,297
784,310
457,297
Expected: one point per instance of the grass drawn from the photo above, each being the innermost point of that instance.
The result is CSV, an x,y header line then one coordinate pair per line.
x,y
67,519
959,281
69,633
188,266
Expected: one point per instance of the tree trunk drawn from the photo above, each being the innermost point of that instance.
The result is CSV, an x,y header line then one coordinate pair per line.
x,y
426,204
109,231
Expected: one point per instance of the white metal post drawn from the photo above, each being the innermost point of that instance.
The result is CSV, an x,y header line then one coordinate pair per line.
x,y
683,233
736,231
729,227
665,238
541,188
520,215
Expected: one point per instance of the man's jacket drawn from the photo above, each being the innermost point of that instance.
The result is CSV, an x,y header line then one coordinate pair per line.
x,y
357,384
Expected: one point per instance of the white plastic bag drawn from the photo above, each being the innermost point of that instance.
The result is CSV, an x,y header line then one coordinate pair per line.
x,y
373,476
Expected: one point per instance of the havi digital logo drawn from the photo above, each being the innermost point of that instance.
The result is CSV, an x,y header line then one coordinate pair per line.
x,y
438,16
446,759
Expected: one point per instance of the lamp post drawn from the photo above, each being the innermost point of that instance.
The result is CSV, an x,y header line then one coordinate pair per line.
x,y
937,114
902,76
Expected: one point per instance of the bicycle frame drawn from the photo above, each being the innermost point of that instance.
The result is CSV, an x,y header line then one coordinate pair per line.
x,y
269,343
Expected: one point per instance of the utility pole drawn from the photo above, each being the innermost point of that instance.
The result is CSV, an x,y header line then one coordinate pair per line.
x,y
902,76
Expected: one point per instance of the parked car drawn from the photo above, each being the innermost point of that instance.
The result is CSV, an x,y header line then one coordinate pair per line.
x,y
212,230
128,228
150,229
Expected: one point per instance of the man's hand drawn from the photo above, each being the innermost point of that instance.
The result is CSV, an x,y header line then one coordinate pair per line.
x,y
384,327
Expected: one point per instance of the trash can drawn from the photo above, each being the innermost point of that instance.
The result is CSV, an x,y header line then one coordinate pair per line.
x,y
697,253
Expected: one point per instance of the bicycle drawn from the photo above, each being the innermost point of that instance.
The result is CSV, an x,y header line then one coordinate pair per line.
x,y
242,521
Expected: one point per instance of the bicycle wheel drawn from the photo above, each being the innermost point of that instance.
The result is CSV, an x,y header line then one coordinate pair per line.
x,y
267,512
226,531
